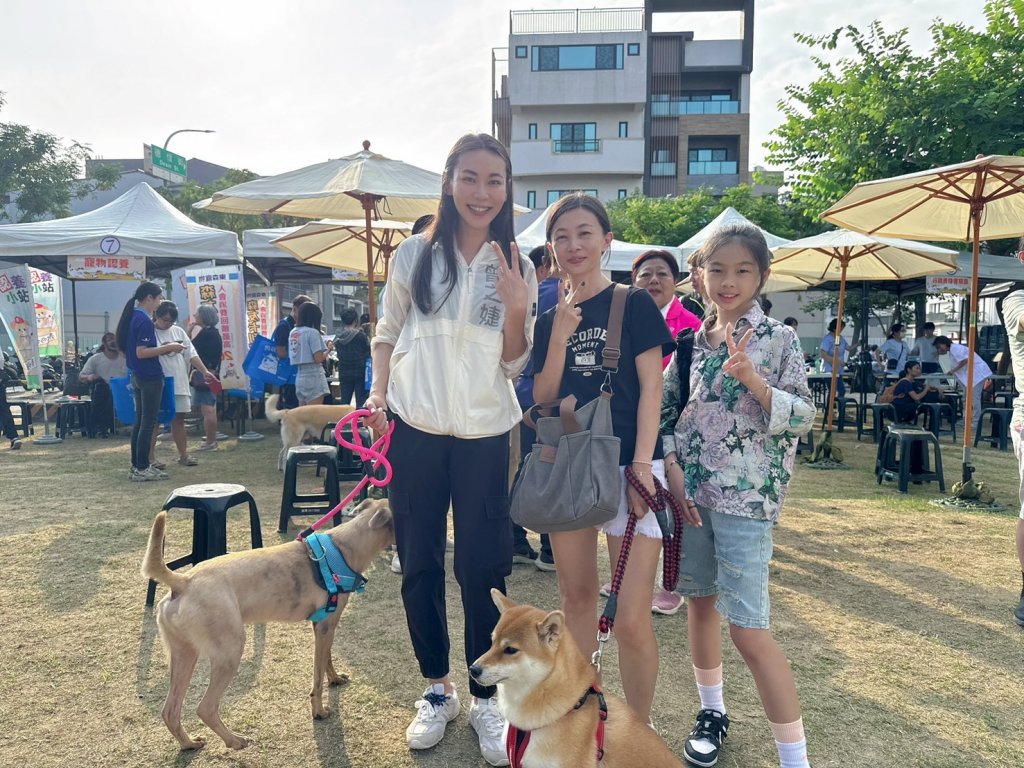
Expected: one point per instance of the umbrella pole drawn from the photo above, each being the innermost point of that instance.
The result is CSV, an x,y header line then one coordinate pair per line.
x,y
868,375
371,291
74,319
972,330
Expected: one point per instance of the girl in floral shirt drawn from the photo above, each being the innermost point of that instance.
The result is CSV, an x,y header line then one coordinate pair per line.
x,y
730,450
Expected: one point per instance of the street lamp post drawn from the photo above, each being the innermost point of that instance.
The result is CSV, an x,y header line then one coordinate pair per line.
x,y
187,130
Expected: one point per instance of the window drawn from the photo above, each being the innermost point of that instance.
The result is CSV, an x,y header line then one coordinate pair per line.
x,y
712,161
574,137
633,49
532,131
661,156
553,58
623,130
554,194
694,103
531,199
622,194
520,51
662,163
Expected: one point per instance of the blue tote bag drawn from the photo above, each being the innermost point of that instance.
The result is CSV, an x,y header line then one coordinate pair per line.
x,y
262,364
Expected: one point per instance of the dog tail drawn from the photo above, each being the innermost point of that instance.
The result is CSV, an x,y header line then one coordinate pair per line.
x,y
273,414
153,566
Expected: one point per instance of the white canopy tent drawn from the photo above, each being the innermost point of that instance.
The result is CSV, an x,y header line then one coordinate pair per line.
x,y
621,254
139,223
729,216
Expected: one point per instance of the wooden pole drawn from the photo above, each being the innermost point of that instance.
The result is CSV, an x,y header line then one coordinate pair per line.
x,y
977,208
839,327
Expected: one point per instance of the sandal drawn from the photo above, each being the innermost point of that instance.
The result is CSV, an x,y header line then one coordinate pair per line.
x,y
158,465
188,461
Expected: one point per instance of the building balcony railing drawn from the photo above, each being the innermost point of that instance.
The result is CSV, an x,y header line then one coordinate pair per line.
x,y
563,146
663,169
571,21
676,107
710,168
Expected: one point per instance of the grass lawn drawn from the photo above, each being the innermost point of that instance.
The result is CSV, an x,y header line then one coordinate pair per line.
x,y
896,617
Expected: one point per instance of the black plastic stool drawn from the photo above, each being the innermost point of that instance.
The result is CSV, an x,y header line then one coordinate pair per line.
x,y
23,418
908,440
999,419
878,411
209,503
73,417
294,503
933,417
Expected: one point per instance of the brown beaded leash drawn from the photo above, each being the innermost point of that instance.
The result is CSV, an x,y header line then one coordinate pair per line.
x,y
671,540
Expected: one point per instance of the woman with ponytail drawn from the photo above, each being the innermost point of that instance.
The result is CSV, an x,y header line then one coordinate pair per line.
x,y
136,335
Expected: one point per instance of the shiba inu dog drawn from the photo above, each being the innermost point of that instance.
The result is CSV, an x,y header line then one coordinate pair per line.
x,y
549,694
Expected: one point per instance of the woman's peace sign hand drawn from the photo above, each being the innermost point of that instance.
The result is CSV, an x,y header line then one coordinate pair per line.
x,y
567,313
511,287
739,365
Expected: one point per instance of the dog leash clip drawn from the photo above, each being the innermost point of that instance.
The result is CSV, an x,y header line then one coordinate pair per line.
x,y
602,638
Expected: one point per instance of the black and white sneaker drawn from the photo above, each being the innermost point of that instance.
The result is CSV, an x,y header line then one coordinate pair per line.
x,y
705,740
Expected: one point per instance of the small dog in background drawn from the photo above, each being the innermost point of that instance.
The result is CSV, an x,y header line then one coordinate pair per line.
x,y
209,605
297,423
542,677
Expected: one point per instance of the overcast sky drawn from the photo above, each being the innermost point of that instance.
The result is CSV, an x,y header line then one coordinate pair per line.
x,y
290,84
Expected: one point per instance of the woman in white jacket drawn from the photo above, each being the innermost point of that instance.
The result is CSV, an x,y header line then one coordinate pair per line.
x,y
457,329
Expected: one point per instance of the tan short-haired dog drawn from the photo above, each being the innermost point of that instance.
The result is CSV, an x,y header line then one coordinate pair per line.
x,y
296,423
545,689
208,607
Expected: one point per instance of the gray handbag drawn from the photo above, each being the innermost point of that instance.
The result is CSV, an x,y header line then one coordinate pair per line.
x,y
570,479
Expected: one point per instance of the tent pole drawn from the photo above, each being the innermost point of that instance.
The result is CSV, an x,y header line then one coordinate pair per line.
x,y
74,319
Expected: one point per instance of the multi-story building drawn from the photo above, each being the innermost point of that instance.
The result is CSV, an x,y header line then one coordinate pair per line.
x,y
595,100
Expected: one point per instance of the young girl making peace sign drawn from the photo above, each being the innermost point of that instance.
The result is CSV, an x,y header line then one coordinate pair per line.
x,y
730,449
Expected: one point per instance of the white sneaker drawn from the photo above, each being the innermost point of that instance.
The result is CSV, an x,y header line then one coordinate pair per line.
x,y
489,724
434,711
396,564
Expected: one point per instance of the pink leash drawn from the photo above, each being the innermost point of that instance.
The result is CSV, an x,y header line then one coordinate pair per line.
x,y
372,456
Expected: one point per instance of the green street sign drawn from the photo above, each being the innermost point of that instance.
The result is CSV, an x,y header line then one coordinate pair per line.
x,y
169,161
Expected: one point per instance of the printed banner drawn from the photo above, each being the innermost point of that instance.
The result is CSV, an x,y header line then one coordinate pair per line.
x,y
947,284
107,267
261,307
17,310
49,312
221,287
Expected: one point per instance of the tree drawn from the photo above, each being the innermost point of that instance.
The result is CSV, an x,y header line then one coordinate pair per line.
x,y
673,220
182,197
40,174
884,111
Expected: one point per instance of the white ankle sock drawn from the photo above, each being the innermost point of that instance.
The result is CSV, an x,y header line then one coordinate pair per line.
x,y
791,744
709,688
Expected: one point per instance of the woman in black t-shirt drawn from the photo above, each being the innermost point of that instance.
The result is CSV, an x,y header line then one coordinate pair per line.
x,y
568,344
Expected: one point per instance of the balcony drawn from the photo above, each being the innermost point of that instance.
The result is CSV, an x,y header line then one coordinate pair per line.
x,y
700,54
572,21
578,157
713,168
663,169
676,107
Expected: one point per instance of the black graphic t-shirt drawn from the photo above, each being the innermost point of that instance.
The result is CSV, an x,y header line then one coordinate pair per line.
x,y
643,327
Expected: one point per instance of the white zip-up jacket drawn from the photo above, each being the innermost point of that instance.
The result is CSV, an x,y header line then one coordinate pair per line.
x,y
447,375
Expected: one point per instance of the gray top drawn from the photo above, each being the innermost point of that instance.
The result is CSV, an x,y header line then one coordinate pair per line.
x,y
303,343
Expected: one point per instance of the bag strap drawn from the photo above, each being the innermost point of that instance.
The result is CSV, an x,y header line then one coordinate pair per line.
x,y
613,340
684,357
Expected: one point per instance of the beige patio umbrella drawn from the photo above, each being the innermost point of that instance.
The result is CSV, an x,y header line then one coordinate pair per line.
x,y
853,256
982,198
363,185
338,243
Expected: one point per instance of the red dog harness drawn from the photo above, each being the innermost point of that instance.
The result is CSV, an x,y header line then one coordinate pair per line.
x,y
516,741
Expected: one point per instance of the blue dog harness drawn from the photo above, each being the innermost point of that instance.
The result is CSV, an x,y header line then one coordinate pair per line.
x,y
334,574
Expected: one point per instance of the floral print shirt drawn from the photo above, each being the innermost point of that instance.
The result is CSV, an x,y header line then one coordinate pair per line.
x,y
737,458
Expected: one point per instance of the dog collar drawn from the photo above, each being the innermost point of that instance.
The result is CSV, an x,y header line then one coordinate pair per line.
x,y
516,740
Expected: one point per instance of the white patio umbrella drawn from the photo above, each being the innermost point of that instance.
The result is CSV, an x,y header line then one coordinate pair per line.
x,y
338,243
982,198
776,283
363,185
853,256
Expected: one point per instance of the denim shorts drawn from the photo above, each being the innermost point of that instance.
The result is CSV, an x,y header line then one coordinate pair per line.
x,y
203,397
728,556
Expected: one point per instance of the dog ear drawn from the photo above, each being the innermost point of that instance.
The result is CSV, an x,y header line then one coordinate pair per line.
x,y
381,518
501,601
550,629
